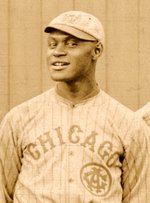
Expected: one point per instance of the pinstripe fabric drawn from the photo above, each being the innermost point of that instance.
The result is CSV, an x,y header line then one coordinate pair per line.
x,y
144,113
53,151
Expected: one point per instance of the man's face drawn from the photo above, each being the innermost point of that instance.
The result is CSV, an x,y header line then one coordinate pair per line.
x,y
69,58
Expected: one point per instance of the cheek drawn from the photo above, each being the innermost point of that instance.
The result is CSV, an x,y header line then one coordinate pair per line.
x,y
84,59
80,65
48,57
82,56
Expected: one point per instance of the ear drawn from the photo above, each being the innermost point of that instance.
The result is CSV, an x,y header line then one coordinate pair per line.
x,y
97,51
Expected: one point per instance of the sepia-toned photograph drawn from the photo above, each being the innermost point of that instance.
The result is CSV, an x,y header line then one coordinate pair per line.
x,y
74,101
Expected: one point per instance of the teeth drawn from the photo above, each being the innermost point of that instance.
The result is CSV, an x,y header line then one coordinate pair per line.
x,y
58,64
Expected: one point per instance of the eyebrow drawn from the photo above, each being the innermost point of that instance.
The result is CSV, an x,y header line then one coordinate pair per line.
x,y
71,37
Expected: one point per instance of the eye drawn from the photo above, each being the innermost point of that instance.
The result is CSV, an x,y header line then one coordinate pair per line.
x,y
52,44
71,43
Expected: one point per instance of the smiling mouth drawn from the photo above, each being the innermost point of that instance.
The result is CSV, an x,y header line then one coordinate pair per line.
x,y
58,66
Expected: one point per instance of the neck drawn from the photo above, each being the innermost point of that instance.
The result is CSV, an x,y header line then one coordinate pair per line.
x,y
77,91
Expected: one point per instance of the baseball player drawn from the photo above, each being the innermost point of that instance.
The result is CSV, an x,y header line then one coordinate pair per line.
x,y
73,143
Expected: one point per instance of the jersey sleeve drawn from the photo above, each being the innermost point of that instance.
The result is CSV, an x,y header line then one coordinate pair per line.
x,y
9,159
136,166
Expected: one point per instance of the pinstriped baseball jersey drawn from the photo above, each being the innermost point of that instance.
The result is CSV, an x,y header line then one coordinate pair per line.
x,y
54,151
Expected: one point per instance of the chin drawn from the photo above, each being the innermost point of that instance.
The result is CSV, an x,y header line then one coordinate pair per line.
x,y
59,76
63,77
58,79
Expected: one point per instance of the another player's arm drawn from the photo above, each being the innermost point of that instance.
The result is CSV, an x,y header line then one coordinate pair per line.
x,y
135,167
9,160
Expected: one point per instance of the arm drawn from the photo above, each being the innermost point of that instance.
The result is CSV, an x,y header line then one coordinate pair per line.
x,y
135,167
9,160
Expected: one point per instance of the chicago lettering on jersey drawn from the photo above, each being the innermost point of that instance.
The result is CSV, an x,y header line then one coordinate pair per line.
x,y
47,142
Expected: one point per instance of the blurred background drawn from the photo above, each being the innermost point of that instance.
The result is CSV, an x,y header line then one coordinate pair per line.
x,y
123,71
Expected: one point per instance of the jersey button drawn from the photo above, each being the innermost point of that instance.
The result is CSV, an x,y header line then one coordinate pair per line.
x,y
72,105
71,153
70,180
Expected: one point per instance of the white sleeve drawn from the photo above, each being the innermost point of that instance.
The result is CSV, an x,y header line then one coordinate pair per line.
x,y
10,163
135,167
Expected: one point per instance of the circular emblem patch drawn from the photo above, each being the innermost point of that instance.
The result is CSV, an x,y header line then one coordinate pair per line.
x,y
96,179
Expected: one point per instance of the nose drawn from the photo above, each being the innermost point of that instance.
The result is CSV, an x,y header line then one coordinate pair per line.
x,y
59,50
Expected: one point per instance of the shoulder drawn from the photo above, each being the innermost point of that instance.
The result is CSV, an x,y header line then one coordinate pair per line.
x,y
118,118
126,124
113,106
30,108
37,101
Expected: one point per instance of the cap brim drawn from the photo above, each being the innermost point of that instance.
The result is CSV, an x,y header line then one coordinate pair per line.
x,y
70,30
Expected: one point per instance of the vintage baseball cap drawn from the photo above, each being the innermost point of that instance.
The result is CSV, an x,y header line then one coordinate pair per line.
x,y
79,24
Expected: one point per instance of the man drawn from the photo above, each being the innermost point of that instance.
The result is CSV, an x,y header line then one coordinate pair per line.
x,y
73,143
144,113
